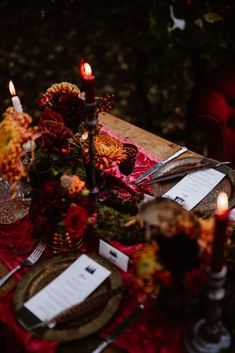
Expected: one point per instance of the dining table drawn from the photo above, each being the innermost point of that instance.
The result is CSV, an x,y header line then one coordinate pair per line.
x,y
16,339
154,144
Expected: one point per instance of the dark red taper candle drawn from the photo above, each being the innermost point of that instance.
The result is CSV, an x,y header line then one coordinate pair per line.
x,y
220,238
89,82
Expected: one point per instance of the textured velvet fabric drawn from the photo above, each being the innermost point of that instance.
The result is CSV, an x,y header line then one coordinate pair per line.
x,y
214,114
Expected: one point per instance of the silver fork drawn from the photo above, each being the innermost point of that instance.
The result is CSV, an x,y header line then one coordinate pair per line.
x,y
28,262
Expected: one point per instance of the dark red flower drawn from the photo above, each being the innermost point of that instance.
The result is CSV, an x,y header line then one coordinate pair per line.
x,y
49,187
54,136
163,278
72,108
76,219
127,166
50,114
195,280
43,101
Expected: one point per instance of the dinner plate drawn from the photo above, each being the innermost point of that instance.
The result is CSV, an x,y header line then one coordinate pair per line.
x,y
208,205
81,325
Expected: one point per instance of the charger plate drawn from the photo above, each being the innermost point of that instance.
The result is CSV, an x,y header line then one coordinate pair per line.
x,y
208,205
80,326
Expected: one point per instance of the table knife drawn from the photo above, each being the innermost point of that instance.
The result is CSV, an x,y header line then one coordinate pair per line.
x,y
119,329
174,175
158,165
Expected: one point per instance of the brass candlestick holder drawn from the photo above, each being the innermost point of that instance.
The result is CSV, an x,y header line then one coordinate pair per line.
x,y
91,169
208,334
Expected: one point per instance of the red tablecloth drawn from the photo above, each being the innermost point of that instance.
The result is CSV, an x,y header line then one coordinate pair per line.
x,y
150,333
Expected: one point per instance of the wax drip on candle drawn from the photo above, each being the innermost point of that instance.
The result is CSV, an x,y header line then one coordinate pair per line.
x,y
15,99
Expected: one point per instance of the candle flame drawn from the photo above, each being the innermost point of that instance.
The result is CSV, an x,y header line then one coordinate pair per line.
x,y
222,202
12,88
86,69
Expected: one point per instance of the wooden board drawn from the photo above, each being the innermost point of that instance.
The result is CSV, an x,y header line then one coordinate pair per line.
x,y
150,142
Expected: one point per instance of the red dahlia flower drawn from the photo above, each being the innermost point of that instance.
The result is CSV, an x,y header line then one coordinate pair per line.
x,y
76,219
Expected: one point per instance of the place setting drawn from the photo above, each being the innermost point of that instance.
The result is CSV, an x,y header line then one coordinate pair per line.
x,y
172,172
76,320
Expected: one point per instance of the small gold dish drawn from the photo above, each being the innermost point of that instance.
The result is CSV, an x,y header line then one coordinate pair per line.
x,y
63,242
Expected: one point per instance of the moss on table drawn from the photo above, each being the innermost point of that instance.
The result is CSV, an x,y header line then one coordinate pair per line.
x,y
111,226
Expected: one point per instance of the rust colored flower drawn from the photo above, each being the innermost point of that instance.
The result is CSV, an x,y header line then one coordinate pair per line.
x,y
63,88
75,220
109,151
72,183
14,132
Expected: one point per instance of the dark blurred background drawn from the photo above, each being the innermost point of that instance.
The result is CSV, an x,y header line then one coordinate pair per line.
x,y
152,69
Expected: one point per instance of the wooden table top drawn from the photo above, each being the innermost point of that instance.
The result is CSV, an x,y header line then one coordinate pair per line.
x,y
150,142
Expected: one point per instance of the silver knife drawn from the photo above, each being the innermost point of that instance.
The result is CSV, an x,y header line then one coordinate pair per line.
x,y
119,329
183,173
158,165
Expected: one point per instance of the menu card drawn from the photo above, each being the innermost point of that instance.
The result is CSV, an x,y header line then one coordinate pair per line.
x,y
190,190
71,287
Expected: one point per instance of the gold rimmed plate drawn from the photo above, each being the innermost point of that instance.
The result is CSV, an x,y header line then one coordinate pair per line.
x,y
208,205
80,325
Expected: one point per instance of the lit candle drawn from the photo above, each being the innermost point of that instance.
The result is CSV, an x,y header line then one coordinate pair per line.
x,y
15,99
89,82
221,222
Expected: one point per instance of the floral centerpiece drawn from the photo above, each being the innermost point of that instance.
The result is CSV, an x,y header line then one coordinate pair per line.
x,y
173,266
63,147
61,211
59,160
64,131
61,154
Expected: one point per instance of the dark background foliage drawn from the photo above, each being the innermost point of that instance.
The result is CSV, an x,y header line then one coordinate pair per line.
x,y
153,72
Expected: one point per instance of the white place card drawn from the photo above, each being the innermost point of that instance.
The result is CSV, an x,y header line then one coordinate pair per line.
x,y
190,190
71,287
113,255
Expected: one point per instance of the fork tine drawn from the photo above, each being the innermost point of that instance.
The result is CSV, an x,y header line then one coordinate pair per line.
x,y
38,248
31,259
41,245
37,251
